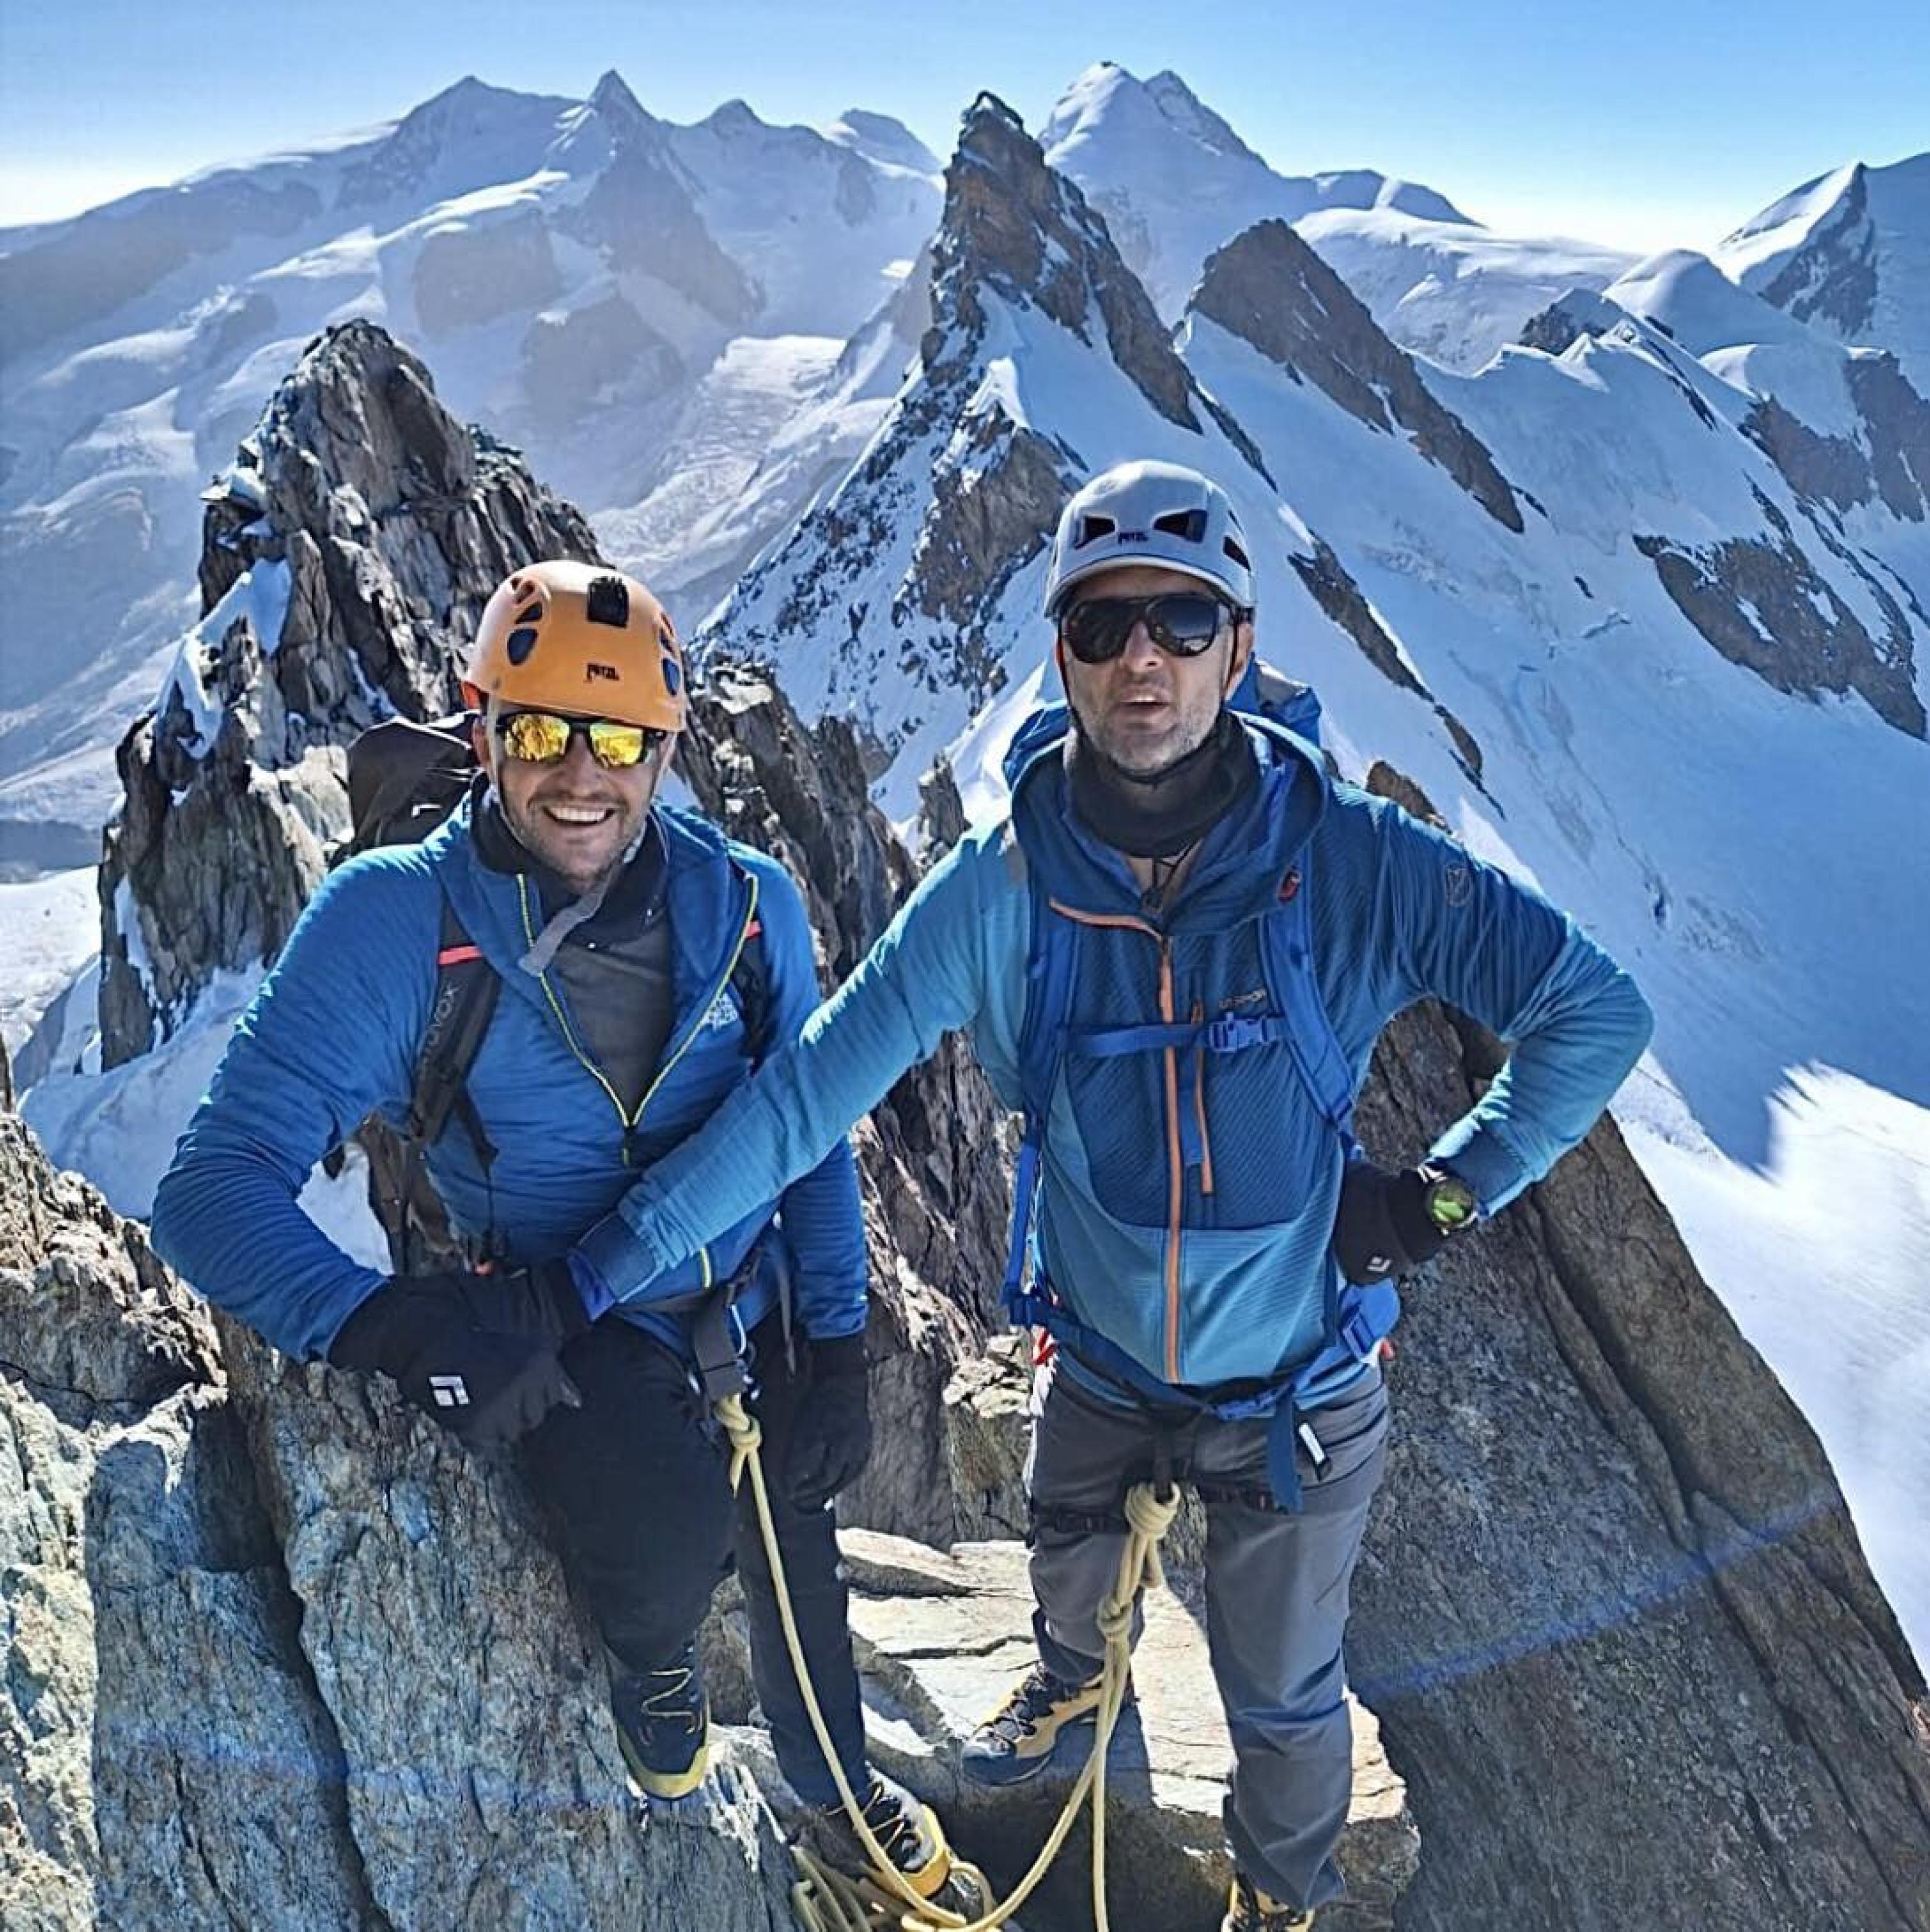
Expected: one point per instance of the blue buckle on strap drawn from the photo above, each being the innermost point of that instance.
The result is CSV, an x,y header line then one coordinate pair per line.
x,y
1234,1033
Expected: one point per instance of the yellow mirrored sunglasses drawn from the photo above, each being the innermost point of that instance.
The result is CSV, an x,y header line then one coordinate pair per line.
x,y
542,738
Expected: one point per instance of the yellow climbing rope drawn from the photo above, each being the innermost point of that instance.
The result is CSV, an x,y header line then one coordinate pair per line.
x,y
827,1900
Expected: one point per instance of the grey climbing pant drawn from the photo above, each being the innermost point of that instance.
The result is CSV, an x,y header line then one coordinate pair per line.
x,y
1277,1595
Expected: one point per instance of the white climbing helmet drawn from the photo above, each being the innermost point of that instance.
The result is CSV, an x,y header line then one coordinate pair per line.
x,y
1160,513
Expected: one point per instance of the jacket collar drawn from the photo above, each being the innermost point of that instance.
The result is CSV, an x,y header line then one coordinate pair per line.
x,y
1243,861
697,884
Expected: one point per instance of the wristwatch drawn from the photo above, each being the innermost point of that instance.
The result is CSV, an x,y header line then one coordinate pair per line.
x,y
1449,1201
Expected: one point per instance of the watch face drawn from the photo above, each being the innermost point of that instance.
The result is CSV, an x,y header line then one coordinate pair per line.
x,y
1450,1203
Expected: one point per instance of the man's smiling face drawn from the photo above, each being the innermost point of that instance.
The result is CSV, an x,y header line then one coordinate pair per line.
x,y
578,817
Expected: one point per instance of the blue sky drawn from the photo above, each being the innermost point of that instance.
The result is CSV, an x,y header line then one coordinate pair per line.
x,y
1645,127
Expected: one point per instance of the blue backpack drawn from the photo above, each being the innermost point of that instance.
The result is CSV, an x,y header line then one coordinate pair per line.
x,y
1359,1315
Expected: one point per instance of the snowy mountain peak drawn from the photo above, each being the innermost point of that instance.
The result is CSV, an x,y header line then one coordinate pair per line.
x,y
1013,224
621,113
1365,188
1186,110
1849,253
734,116
468,131
880,139
1175,182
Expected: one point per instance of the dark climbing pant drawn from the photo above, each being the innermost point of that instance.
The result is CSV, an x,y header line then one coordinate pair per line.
x,y
1276,1596
636,1483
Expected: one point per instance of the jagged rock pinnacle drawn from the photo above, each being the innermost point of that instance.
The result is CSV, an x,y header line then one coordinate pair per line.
x,y
346,555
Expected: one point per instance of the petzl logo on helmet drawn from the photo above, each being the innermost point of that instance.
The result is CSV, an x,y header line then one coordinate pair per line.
x,y
592,672
1130,537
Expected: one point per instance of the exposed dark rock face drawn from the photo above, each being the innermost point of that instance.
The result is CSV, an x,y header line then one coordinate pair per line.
x,y
1890,461
1270,289
467,276
1832,278
640,213
1613,1617
1016,227
569,360
1564,322
372,527
1330,586
1760,603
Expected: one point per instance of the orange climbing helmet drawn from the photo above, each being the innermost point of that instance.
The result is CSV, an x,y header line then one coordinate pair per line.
x,y
579,638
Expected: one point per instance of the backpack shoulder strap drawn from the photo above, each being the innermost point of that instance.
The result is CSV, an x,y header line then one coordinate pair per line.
x,y
466,986
1288,938
750,979
1051,962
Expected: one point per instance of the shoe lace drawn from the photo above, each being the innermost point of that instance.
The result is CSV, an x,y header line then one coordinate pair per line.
x,y
884,1812
1258,1912
669,1698
1031,1698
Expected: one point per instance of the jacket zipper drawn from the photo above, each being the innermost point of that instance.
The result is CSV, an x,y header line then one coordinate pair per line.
x,y
1175,1160
631,1120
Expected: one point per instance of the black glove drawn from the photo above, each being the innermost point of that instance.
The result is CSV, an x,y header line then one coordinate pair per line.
x,y
479,1352
831,1441
1383,1227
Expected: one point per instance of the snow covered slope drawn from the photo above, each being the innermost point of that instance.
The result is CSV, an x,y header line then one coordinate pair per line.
x,y
637,303
1454,291
1849,253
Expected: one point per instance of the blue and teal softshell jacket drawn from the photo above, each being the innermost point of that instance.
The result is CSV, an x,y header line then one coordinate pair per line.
x,y
333,1036
1202,1248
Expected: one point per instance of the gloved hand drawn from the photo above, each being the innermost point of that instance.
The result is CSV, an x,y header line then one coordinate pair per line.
x,y
479,1352
1383,1227
831,1442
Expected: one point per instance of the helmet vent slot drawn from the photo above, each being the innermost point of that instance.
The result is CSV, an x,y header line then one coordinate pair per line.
x,y
1189,526
1234,550
1091,529
529,612
520,643
607,601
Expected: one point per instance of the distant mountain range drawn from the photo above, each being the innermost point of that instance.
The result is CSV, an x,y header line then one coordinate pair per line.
x,y
693,331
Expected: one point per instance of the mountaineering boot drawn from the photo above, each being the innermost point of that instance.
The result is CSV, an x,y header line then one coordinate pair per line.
x,y
1017,1741
663,1724
1250,1909
909,1833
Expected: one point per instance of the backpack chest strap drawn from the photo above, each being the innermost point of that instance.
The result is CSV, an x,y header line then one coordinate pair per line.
x,y
1226,1033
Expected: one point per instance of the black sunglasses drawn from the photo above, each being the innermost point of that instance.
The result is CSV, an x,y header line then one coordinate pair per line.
x,y
1182,623
543,738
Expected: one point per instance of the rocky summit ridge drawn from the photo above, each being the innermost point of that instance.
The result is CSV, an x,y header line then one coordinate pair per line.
x,y
277,1651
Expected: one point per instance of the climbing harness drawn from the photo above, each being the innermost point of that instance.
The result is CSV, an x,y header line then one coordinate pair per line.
x,y
885,1899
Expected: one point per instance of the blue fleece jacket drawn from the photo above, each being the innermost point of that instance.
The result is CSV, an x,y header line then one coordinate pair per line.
x,y
1398,912
333,1036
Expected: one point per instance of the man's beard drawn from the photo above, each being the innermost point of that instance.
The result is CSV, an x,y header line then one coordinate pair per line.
x,y
1158,815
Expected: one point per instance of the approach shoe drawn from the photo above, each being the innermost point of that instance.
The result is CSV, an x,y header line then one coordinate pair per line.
x,y
663,1724
909,1833
1250,1909
1017,1741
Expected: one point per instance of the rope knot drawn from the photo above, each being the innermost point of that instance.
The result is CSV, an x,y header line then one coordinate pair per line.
x,y
1147,1513
745,1431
